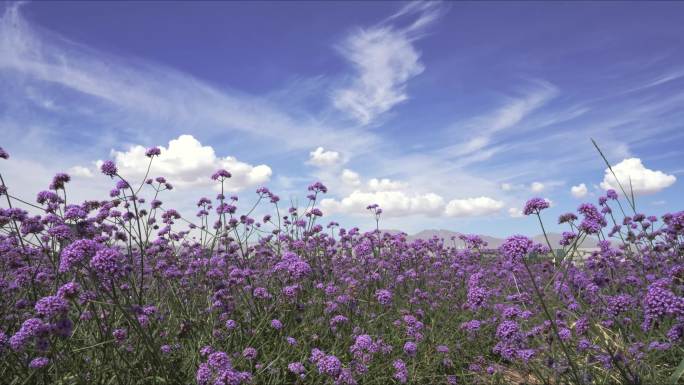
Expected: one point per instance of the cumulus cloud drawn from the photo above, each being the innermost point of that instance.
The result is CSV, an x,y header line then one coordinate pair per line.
x,y
383,184
537,187
80,171
470,207
515,212
186,162
393,203
350,178
322,158
399,199
643,180
384,59
579,191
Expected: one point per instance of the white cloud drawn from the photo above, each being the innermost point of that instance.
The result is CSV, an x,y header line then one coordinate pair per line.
x,y
473,207
186,162
517,109
579,191
350,178
537,187
643,180
129,97
80,171
322,158
384,184
393,203
514,212
511,113
384,59
506,186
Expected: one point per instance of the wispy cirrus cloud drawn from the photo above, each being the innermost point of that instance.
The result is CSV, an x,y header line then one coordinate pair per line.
x,y
135,93
384,58
513,111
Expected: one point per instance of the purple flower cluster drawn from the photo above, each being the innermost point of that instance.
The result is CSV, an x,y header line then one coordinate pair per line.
x,y
535,206
218,370
129,277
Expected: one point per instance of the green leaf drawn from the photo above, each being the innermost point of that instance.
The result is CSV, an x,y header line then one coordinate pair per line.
x,y
677,373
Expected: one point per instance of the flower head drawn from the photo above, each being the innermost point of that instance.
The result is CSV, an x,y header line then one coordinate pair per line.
x,y
152,151
383,296
108,168
39,362
51,306
220,175
107,262
535,205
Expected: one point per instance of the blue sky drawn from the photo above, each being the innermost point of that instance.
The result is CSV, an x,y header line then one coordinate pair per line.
x,y
449,115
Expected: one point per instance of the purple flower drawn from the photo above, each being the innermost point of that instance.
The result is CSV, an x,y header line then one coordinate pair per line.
x,y
108,168
660,302
59,180
516,247
249,353
400,371
535,205
383,296
338,319
294,265
329,365
567,217
30,329
120,334
204,374
525,354
296,367
220,175
152,151
39,362
507,330
472,325
219,360
611,194
51,306
318,187
76,252
276,324
565,334
231,324
567,238
410,348
593,220
362,343
261,293
107,262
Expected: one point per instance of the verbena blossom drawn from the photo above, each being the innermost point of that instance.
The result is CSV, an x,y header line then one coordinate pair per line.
x,y
108,168
39,362
535,205
152,151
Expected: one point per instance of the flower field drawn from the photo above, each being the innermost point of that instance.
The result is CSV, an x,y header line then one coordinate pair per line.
x,y
123,290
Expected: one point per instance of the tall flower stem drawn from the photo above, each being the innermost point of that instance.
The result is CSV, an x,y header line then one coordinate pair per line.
x,y
573,367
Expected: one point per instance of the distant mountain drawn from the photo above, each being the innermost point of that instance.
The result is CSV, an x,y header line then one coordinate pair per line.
x,y
492,242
